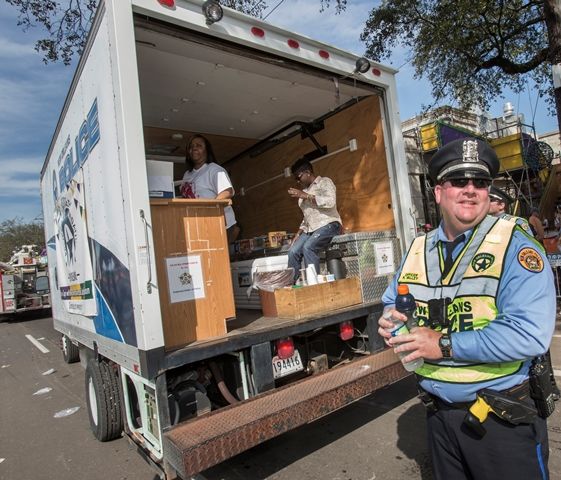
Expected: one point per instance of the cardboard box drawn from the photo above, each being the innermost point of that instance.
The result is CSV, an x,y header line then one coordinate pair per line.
x,y
160,179
302,302
276,238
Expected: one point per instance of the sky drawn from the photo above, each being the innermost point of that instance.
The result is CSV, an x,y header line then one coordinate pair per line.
x,y
32,94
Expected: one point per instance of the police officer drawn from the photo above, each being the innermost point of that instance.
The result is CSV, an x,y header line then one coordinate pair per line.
x,y
499,201
477,331
499,206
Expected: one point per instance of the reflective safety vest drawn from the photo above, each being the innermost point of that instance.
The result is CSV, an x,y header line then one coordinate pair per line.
x,y
519,221
472,285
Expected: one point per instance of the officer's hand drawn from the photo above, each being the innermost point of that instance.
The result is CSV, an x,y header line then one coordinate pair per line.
x,y
386,325
422,342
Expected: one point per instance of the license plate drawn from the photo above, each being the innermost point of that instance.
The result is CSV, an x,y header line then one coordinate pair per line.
x,y
287,366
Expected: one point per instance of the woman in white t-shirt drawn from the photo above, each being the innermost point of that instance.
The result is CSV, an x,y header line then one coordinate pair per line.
x,y
206,179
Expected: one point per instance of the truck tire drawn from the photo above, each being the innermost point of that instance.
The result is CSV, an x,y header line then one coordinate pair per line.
x,y
70,352
103,398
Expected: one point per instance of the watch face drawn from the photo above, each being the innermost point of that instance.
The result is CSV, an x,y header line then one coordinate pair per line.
x,y
445,344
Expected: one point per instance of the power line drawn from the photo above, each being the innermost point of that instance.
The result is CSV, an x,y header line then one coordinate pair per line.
x,y
274,8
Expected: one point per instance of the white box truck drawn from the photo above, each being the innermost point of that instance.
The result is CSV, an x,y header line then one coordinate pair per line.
x,y
154,72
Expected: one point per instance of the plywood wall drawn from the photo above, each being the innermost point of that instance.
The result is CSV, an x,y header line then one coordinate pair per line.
x,y
223,147
361,177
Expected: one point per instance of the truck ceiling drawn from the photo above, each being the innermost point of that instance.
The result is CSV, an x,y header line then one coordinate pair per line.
x,y
190,82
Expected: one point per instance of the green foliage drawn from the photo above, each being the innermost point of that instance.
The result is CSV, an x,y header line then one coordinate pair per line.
x,y
250,7
68,22
14,233
470,50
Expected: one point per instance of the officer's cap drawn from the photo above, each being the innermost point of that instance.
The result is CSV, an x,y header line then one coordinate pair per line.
x,y
500,195
464,158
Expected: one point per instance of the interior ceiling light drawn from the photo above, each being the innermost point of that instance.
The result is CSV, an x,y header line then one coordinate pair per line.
x,y
212,11
185,100
174,109
165,119
201,84
177,136
362,65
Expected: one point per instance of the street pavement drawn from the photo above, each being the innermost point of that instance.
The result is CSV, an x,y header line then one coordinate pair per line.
x,y
379,437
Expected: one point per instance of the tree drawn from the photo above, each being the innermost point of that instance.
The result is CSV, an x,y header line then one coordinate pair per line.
x,y
68,22
14,233
470,50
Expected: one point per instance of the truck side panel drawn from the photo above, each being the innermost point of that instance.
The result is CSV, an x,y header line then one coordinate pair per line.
x,y
82,190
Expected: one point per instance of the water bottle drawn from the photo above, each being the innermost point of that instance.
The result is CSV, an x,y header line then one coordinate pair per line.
x,y
405,303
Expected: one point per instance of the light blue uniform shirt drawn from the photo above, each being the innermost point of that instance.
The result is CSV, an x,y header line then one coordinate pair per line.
x,y
522,330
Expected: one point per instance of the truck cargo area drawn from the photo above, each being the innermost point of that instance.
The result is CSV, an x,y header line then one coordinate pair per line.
x,y
261,113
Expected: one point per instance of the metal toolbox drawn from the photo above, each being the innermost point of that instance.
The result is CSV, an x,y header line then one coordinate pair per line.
x,y
373,257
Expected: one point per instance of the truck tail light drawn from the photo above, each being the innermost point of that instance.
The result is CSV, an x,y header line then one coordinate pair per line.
x,y
346,330
285,348
167,3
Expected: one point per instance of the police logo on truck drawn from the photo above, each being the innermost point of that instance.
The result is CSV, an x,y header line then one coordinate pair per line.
x,y
68,234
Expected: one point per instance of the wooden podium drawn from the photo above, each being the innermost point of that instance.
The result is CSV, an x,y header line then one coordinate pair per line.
x,y
193,268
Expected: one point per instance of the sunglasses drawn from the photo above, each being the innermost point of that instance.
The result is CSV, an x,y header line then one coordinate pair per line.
x,y
477,182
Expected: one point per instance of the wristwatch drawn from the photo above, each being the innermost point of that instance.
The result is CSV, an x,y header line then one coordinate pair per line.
x,y
445,344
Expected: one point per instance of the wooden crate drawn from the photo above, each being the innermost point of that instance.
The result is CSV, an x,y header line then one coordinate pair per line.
x,y
189,229
306,301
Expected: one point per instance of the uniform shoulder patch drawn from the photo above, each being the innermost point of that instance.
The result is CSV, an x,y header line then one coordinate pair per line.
x,y
530,259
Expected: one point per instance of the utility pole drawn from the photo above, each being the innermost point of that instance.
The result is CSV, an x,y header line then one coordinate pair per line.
x,y
552,14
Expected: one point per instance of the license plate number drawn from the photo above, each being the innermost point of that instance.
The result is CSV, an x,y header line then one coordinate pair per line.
x,y
283,367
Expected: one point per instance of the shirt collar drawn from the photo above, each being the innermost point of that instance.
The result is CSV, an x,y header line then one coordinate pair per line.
x,y
315,182
201,168
441,236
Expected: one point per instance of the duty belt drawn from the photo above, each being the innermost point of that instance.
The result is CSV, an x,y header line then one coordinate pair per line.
x,y
513,406
433,403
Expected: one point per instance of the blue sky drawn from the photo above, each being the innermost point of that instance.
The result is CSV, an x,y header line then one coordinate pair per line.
x,y
32,94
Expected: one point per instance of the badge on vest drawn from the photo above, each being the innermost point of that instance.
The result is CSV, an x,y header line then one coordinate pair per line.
x,y
530,260
482,261
410,276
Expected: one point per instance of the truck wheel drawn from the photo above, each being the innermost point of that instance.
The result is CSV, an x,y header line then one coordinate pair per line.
x,y
103,398
70,352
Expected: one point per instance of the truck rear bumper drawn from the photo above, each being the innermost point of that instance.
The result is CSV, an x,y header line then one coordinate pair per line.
x,y
198,444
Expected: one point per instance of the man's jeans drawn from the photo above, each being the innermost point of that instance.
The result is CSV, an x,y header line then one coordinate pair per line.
x,y
308,246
